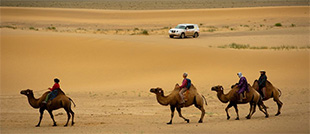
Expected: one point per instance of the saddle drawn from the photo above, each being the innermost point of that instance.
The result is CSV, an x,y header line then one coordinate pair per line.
x,y
53,94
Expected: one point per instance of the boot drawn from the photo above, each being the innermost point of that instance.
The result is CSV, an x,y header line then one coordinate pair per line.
x,y
240,97
49,103
182,101
244,95
263,92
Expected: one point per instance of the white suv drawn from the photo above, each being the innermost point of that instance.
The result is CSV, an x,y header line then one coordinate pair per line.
x,y
184,30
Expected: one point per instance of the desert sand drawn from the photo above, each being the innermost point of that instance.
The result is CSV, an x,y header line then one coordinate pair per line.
x,y
109,74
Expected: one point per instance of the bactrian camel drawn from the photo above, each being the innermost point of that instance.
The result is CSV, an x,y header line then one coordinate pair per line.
x,y
173,99
60,101
252,97
271,92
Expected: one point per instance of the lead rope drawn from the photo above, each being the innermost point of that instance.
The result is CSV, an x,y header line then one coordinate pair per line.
x,y
40,90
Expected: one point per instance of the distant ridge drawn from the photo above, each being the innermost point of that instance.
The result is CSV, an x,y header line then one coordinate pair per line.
x,y
151,4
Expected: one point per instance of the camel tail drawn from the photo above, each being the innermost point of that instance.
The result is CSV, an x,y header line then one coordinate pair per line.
x,y
72,101
204,99
279,92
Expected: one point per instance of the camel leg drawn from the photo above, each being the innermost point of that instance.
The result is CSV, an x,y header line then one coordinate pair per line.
x,y
252,110
236,109
52,116
226,109
72,113
68,114
180,114
202,112
279,103
41,115
249,115
264,109
172,108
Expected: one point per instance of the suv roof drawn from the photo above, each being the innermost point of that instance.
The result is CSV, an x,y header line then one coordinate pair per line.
x,y
187,24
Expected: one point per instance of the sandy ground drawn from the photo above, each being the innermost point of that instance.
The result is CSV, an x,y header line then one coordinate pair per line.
x,y
109,75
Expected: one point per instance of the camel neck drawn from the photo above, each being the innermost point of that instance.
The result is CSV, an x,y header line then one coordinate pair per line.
x,y
162,99
33,101
222,97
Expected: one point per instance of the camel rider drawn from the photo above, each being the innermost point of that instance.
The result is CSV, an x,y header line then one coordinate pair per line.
x,y
186,84
262,83
54,91
243,86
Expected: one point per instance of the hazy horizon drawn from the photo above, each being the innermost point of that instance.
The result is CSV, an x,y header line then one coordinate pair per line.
x,y
151,4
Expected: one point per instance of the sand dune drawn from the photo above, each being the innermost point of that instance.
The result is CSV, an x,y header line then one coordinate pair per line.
x,y
109,76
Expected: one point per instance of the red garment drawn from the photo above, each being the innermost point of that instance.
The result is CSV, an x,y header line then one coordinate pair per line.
x,y
184,83
56,86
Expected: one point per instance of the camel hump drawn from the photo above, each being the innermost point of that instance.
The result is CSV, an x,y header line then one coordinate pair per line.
x,y
192,91
268,82
256,81
60,92
192,87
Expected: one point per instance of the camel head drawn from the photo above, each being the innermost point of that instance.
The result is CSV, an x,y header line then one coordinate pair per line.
x,y
157,90
26,92
217,88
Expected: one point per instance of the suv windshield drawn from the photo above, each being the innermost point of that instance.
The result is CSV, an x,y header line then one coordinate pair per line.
x,y
180,27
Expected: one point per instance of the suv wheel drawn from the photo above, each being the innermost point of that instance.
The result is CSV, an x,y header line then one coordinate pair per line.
x,y
182,36
196,35
171,36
